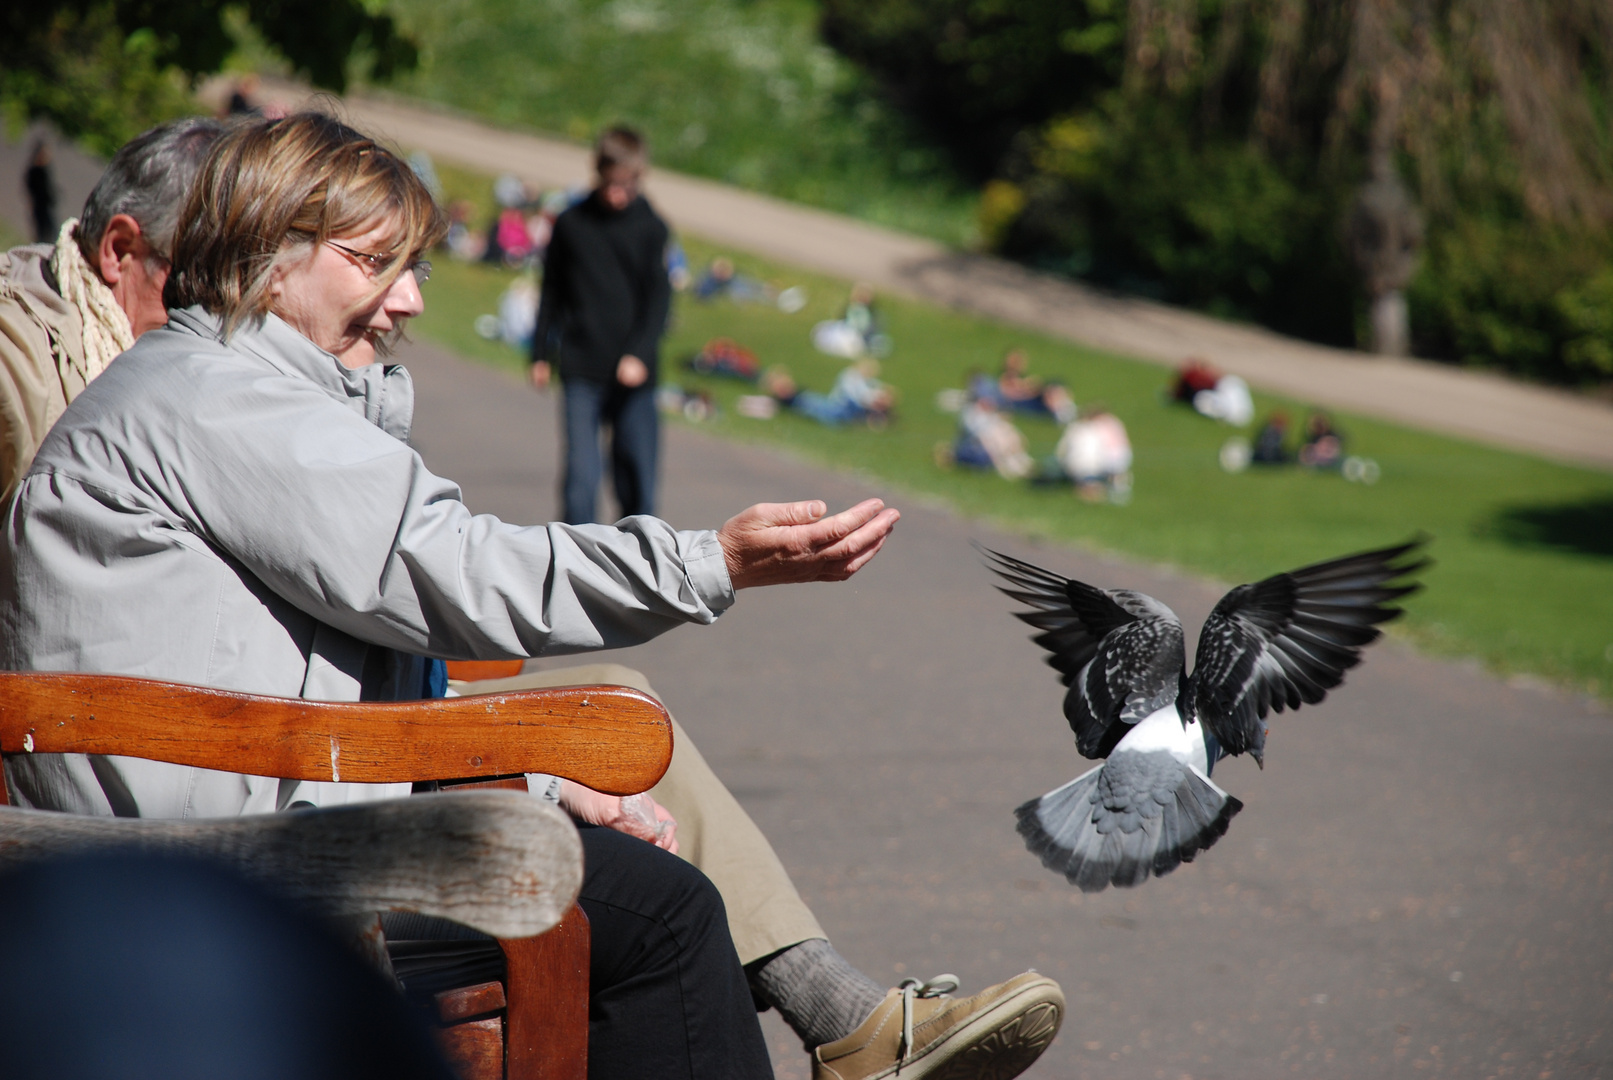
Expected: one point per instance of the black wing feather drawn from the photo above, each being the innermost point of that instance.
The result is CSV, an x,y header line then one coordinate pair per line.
x,y
1120,653
1288,640
1073,616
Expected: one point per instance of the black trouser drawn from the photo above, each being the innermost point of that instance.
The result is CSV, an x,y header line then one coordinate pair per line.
x,y
667,997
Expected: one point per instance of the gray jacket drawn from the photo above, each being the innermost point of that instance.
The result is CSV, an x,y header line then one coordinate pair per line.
x,y
250,516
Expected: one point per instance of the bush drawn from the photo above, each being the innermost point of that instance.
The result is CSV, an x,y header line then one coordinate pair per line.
x,y
1127,199
97,83
1531,299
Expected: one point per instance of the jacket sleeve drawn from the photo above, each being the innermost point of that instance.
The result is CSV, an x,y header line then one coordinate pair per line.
x,y
549,299
655,299
346,522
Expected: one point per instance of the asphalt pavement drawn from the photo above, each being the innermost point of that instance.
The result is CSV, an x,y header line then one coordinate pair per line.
x,y
1421,883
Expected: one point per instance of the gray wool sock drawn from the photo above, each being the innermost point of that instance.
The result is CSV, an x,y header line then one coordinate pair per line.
x,y
819,994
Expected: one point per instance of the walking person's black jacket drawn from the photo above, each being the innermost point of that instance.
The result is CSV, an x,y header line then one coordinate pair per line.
x,y
605,290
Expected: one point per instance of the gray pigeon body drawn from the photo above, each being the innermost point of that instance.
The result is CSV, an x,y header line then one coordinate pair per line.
x,y
1275,644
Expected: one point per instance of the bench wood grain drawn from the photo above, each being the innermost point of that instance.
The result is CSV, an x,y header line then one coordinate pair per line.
x,y
611,738
500,862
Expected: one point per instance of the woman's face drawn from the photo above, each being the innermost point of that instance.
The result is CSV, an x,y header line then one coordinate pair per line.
x,y
327,296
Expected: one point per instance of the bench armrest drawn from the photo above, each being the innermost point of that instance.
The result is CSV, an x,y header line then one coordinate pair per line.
x,y
611,738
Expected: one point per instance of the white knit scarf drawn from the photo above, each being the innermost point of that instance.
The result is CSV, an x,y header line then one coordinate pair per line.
x,y
106,327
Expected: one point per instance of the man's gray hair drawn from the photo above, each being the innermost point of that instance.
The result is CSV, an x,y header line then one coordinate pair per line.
x,y
148,179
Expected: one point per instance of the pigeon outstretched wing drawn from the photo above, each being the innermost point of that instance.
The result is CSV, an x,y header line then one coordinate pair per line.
x,y
1139,813
1121,653
1289,639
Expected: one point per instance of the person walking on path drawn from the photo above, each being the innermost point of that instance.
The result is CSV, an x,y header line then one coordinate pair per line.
x,y
602,312
41,187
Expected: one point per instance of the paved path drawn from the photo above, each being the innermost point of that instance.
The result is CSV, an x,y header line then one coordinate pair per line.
x,y
1437,397
1420,885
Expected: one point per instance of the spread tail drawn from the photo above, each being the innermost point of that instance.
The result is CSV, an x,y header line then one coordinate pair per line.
x,y
1136,814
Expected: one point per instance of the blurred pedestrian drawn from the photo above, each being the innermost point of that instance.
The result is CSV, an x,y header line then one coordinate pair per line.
x,y
41,186
602,313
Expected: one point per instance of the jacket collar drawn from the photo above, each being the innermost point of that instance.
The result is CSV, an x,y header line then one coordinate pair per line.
x,y
382,393
25,271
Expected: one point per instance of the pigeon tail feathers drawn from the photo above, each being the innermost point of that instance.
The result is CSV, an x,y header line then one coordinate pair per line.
x,y
1137,815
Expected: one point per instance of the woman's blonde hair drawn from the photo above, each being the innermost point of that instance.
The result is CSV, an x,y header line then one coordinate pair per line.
x,y
270,190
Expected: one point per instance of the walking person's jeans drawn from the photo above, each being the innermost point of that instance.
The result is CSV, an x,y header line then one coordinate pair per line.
x,y
635,447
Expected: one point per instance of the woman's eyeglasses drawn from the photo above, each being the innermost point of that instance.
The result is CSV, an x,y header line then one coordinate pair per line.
x,y
420,268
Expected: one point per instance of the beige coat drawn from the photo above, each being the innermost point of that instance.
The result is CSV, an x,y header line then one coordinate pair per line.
x,y
38,332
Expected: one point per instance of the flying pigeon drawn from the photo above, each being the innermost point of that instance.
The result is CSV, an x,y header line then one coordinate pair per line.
x,y
1151,806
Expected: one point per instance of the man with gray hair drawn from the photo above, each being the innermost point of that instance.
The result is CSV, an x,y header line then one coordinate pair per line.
x,y
67,309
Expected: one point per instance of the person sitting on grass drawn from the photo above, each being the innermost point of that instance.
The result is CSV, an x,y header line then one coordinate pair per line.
x,y
1094,454
987,439
859,330
1271,443
856,397
1323,446
727,358
1015,389
722,280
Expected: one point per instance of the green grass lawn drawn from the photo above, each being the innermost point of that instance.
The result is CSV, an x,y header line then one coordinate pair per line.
x,y
1524,547
739,90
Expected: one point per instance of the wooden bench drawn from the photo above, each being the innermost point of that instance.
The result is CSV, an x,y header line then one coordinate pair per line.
x,y
613,739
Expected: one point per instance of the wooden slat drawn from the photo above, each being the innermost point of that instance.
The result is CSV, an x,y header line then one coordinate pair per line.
x,y
611,738
456,1006
475,1050
498,783
503,863
477,670
548,992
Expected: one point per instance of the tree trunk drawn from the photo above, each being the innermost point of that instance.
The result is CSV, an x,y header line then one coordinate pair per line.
x,y
1391,328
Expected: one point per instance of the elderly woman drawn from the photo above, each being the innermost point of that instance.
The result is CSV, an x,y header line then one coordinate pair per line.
x,y
234,504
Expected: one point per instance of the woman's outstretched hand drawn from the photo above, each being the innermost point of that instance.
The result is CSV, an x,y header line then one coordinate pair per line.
x,y
784,543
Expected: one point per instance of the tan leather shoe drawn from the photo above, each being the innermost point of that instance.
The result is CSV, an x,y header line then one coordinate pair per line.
x,y
919,1031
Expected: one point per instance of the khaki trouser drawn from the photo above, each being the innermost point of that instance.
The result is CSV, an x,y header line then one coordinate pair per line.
x,y
765,913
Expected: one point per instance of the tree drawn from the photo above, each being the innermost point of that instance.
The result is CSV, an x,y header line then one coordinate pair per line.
x,y
104,70
1211,151
981,71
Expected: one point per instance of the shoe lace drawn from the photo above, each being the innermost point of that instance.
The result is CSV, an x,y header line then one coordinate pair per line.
x,y
940,986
